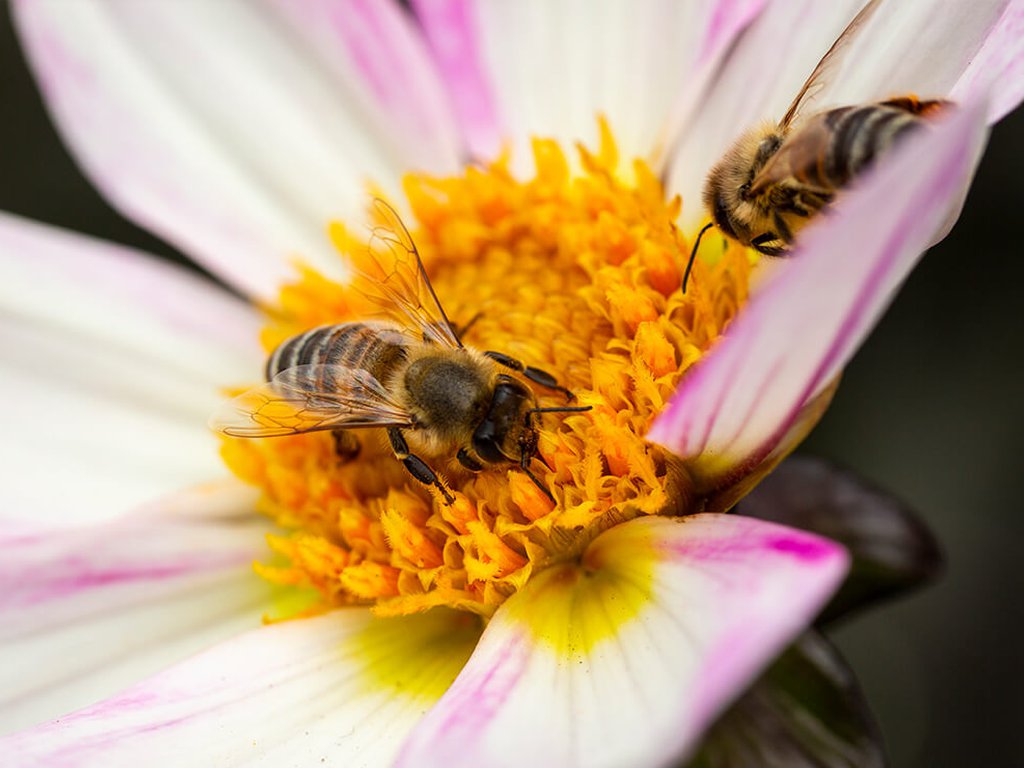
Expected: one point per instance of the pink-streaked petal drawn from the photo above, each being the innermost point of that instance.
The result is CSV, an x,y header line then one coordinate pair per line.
x,y
450,29
113,362
998,68
726,21
235,129
728,493
625,659
85,612
380,59
802,327
341,689
538,68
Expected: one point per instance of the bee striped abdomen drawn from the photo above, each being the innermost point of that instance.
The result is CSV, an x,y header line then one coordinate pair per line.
x,y
859,135
363,346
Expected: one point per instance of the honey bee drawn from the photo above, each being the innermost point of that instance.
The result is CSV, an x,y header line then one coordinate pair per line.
x,y
410,375
775,177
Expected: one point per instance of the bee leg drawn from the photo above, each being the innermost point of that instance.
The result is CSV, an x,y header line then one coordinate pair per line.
x,y
468,461
536,375
346,445
415,465
536,481
785,233
760,244
524,464
809,204
797,206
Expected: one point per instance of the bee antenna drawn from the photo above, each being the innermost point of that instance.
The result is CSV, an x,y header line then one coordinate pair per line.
x,y
524,460
693,253
536,481
560,409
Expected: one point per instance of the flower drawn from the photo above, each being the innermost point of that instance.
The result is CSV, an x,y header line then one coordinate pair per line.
x,y
807,705
264,154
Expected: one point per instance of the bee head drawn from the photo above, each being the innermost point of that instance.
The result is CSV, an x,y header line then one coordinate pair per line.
x,y
505,428
727,190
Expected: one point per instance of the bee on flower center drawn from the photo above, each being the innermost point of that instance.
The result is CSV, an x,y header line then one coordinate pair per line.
x,y
412,377
775,177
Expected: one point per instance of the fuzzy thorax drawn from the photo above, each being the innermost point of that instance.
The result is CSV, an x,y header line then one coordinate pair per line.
x,y
447,393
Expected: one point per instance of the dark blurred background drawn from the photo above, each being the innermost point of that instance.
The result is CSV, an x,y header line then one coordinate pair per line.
x,y
932,408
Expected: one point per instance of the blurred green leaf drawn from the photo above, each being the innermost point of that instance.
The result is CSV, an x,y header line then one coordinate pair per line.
x,y
892,550
805,711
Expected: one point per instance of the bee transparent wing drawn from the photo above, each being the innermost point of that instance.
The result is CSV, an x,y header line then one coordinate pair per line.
x,y
310,398
796,158
393,277
829,64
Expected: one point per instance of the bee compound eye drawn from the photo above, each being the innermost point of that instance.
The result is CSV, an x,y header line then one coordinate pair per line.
x,y
487,444
768,147
722,218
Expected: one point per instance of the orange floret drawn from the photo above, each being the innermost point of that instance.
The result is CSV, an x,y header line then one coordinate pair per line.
x,y
575,272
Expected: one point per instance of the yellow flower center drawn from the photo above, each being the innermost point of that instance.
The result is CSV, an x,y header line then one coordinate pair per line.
x,y
575,273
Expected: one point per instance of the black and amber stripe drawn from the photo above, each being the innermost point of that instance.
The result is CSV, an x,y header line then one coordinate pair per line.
x,y
859,135
373,347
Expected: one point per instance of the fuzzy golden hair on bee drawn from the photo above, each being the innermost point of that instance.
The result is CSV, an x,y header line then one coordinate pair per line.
x,y
734,210
447,392
727,191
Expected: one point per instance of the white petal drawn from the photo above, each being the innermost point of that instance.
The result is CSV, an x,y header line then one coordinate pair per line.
x,y
550,68
624,660
342,689
921,48
451,30
236,129
60,280
112,364
802,327
85,612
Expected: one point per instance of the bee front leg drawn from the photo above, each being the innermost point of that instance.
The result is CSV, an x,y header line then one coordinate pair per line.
x,y
536,375
761,244
415,465
468,461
